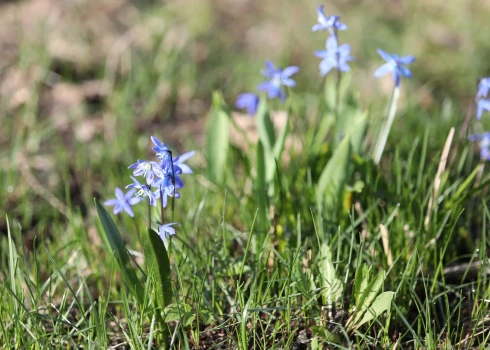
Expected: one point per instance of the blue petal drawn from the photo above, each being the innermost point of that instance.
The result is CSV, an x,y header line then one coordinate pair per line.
x,y
331,43
396,77
263,86
326,65
341,26
322,19
344,67
405,72
288,71
384,55
383,70
318,27
406,59
322,53
288,82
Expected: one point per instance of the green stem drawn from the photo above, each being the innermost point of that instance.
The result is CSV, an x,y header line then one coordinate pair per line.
x,y
385,130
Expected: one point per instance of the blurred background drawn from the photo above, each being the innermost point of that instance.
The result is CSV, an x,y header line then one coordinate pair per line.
x,y
83,82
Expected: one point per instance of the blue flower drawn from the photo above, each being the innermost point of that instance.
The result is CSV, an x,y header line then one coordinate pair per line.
x,y
165,231
160,148
278,77
484,143
395,66
334,56
330,23
483,88
167,184
179,162
143,191
482,105
149,170
123,201
247,100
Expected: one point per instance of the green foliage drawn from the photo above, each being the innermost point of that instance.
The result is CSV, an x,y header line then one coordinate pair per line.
x,y
115,245
217,139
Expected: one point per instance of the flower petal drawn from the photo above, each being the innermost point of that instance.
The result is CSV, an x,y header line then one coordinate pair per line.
x,y
288,71
383,70
406,59
384,55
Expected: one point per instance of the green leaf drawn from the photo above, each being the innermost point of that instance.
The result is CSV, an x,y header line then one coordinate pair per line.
x,y
265,128
331,286
333,177
180,312
217,140
115,245
281,139
366,300
261,188
380,305
324,334
361,282
158,265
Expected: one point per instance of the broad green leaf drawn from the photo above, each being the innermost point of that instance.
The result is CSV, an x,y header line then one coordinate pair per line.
x,y
180,312
361,281
332,286
368,296
217,140
380,305
115,245
281,139
357,131
267,139
333,177
265,127
158,265
324,334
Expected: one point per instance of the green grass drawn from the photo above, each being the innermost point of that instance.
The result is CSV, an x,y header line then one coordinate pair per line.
x,y
251,264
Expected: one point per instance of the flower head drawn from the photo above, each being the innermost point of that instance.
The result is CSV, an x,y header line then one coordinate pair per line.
x,y
334,56
165,231
278,77
394,64
143,191
160,148
482,105
168,183
330,23
484,143
483,88
247,100
149,170
123,201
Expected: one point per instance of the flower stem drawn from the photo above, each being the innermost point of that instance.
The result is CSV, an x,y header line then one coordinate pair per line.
x,y
385,130
162,212
149,215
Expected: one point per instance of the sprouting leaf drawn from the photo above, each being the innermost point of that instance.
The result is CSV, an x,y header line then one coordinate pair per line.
x,y
115,245
380,305
217,140
361,282
158,265
367,298
180,312
333,177
267,139
281,139
332,286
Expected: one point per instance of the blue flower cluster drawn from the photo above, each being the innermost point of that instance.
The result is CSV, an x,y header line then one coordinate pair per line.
x,y
334,56
276,79
482,104
161,180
